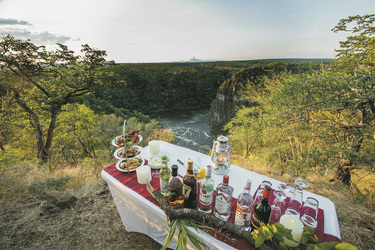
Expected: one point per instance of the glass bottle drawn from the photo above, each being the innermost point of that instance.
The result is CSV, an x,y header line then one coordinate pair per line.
x,y
262,210
176,197
165,175
190,187
206,192
244,207
223,200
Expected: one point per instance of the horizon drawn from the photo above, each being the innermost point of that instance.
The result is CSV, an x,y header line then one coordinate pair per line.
x,y
147,31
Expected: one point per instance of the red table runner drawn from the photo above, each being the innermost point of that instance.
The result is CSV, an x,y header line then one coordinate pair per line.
x,y
130,181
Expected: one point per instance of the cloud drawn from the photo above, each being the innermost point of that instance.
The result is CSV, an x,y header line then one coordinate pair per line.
x,y
9,21
41,38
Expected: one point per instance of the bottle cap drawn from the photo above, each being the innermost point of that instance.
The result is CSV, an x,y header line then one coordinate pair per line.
x,y
164,158
248,183
208,170
226,179
267,192
190,164
174,170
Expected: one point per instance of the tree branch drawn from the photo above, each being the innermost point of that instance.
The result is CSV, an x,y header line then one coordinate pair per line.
x,y
199,217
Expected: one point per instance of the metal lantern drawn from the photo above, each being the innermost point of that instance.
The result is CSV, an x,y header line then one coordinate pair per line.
x,y
221,155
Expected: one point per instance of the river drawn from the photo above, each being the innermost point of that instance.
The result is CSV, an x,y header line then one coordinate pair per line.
x,y
191,128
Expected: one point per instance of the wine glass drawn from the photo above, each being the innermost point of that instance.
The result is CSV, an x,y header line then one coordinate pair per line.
x,y
309,212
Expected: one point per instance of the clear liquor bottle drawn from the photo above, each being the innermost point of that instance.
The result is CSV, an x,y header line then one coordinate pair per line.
x,y
206,192
176,197
223,199
190,187
164,175
244,207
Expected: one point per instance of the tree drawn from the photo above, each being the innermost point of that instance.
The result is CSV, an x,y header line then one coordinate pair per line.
x,y
41,82
325,117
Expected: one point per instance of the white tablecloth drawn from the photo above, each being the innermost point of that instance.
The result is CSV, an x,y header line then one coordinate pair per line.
x,y
141,215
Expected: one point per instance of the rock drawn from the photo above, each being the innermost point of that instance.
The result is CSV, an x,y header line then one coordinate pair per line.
x,y
48,207
67,201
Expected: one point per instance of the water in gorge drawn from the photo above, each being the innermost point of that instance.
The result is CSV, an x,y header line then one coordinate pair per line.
x,y
191,128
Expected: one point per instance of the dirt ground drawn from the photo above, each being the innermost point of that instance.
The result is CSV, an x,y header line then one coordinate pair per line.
x,y
92,222
87,218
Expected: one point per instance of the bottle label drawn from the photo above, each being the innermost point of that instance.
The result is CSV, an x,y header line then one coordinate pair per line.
x,y
186,191
222,204
242,216
163,186
205,197
173,195
255,221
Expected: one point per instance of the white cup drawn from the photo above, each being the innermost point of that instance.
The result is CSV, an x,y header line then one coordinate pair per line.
x,y
153,147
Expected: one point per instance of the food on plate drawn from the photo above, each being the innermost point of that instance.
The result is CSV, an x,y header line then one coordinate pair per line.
x,y
130,164
130,138
129,152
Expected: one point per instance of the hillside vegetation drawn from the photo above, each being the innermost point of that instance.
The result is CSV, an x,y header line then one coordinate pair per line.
x,y
59,113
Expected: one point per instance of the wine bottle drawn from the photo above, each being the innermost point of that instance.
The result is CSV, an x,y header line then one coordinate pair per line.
x,y
223,199
244,207
190,187
262,210
206,192
176,197
164,175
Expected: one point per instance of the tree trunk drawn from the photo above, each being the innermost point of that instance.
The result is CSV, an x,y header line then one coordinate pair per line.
x,y
343,172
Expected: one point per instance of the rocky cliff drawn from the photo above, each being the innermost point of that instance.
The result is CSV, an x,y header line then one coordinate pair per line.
x,y
228,96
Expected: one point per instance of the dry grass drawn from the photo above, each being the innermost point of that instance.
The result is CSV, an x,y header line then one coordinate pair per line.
x,y
94,223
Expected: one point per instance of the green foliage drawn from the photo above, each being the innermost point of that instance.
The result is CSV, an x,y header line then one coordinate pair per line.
x,y
277,236
313,120
41,82
45,185
183,234
164,135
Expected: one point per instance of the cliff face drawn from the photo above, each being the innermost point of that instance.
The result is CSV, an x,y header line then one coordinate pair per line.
x,y
228,97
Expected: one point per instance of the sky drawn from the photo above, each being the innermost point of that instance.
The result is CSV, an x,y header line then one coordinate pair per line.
x,y
141,31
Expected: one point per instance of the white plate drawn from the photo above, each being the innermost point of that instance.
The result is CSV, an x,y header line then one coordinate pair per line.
x,y
125,170
117,152
155,161
114,140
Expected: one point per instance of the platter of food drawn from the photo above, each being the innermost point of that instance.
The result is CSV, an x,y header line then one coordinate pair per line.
x,y
131,138
155,161
131,152
129,165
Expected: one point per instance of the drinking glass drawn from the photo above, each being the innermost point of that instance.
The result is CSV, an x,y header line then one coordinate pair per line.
x,y
153,147
302,183
295,196
259,194
155,173
280,200
277,210
292,211
309,212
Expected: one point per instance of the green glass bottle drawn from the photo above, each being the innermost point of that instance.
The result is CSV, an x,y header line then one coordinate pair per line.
x,y
165,175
